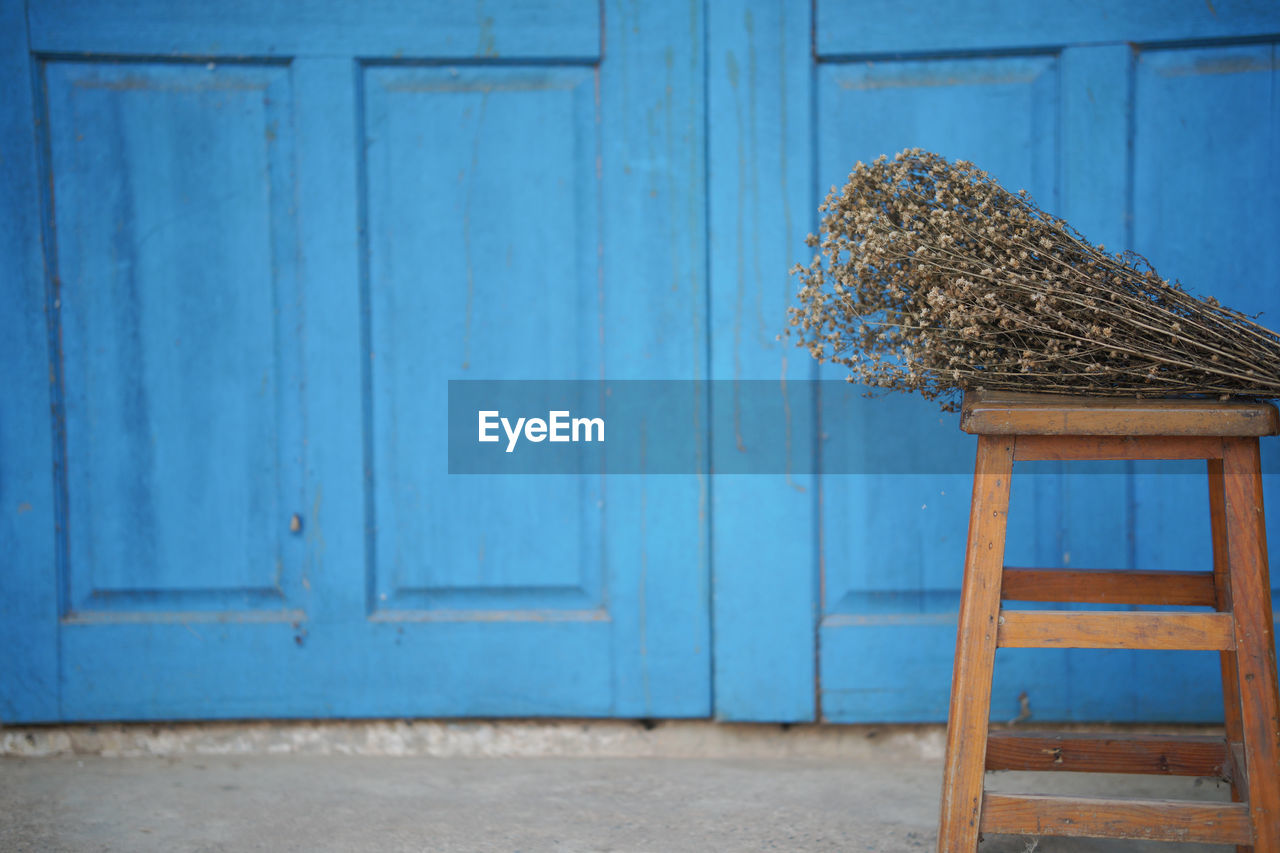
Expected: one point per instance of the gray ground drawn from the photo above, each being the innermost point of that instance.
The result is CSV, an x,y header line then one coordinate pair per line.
x,y
349,803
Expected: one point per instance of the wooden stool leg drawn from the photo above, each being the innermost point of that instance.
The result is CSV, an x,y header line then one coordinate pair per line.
x,y
1222,588
1255,637
962,779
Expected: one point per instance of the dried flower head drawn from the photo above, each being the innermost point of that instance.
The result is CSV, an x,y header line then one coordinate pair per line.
x,y
931,277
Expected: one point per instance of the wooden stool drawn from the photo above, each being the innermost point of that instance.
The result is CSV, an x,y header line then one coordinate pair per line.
x,y
1025,427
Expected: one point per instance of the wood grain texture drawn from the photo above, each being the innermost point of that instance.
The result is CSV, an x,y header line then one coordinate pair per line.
x,y
1188,755
1239,773
1227,659
1007,413
975,648
1072,629
1088,817
1102,586
1255,633
1033,448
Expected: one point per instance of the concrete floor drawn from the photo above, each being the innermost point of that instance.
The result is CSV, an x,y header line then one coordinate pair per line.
x,y
884,799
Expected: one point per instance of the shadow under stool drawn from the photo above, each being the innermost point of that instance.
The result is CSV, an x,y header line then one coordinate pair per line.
x,y
1028,427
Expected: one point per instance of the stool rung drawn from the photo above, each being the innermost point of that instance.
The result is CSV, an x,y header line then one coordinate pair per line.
x,y
1073,629
1184,755
1041,448
1093,817
1104,586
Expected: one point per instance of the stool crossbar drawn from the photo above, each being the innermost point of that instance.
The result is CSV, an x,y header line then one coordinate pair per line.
x,y
1027,427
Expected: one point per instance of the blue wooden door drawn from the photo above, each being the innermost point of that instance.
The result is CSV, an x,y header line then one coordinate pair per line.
x,y
1146,125
246,247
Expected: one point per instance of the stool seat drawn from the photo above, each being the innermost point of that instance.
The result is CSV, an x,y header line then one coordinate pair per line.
x,y
1239,625
1013,413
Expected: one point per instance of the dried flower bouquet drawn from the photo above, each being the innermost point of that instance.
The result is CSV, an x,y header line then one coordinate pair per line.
x,y
933,278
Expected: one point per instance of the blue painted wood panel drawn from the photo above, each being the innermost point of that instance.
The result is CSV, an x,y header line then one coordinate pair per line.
x,y
392,29
1092,108
29,606
481,205
884,577
251,243
653,281
883,27
1124,142
264,257
176,310
1206,135
760,202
